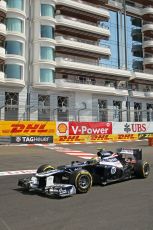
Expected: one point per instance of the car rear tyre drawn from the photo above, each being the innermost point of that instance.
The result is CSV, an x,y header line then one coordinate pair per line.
x,y
82,180
45,168
142,169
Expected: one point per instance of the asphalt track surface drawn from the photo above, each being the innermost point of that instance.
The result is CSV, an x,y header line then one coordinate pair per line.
x,y
120,206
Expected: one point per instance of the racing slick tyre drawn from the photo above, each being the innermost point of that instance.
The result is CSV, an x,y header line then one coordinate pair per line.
x,y
82,180
45,168
142,169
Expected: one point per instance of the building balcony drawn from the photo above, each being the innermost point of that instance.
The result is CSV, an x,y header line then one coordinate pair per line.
x,y
71,85
2,29
137,94
77,26
149,94
3,7
14,82
100,88
2,53
142,76
148,60
16,35
81,6
98,1
147,29
148,46
73,64
78,45
141,94
147,13
43,85
17,12
16,58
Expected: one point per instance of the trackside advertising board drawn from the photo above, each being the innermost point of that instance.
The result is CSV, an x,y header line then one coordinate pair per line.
x,y
83,128
90,128
83,138
27,128
32,139
132,127
95,138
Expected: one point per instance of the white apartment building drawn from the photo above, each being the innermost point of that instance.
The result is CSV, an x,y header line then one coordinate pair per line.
x,y
76,60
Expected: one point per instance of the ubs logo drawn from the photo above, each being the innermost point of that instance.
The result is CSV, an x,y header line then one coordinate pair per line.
x,y
127,128
135,127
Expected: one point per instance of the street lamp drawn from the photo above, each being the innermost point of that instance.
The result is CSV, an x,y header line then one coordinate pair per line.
x,y
125,39
128,108
84,107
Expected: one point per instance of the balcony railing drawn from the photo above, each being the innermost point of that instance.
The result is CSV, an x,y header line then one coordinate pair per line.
x,y
81,21
77,44
90,7
69,38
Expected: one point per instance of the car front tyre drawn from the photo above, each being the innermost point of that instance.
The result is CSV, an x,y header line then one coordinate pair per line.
x,y
82,180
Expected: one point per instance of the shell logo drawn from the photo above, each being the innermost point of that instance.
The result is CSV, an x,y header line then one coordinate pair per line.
x,y
62,128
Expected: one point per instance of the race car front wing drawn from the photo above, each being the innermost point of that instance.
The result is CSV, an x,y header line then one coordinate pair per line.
x,y
57,190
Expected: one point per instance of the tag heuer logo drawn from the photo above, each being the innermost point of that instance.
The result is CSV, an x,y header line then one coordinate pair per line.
x,y
18,139
127,128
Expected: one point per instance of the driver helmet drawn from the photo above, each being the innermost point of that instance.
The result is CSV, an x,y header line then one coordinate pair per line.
x,y
104,153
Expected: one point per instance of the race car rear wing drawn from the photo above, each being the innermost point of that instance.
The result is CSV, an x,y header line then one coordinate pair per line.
x,y
130,153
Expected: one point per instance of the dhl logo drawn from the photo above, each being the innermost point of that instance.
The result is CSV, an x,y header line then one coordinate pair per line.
x,y
29,128
145,135
100,138
70,138
126,137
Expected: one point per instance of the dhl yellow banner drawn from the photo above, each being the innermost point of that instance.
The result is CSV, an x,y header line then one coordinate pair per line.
x,y
94,138
83,138
27,128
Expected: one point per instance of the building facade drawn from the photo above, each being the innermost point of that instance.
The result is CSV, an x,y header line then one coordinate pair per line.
x,y
76,60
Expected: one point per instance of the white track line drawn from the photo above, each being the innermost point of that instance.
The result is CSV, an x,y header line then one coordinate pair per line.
x,y
18,172
80,154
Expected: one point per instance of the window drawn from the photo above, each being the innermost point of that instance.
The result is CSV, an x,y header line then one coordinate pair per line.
x,y
14,24
15,4
47,75
11,105
47,31
13,47
13,71
47,53
63,111
11,99
137,111
149,112
117,111
102,110
123,55
47,10
43,107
